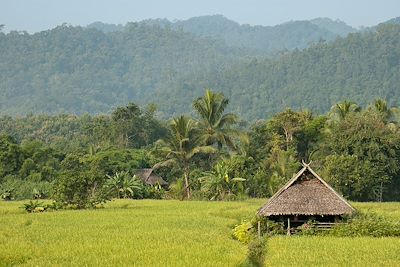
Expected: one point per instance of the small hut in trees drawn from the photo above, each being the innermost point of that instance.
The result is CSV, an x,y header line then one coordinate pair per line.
x,y
149,177
306,197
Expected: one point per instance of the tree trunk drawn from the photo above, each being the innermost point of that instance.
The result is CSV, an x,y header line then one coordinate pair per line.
x,y
287,137
186,174
126,140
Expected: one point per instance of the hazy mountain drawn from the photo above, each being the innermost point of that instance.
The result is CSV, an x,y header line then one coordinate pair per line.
x,y
335,26
290,35
393,21
106,27
360,67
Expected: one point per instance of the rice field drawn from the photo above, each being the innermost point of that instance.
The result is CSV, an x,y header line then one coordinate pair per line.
x,y
333,251
172,233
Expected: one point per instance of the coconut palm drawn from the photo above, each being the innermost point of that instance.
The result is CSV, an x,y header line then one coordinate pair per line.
x,y
214,125
381,106
182,145
341,110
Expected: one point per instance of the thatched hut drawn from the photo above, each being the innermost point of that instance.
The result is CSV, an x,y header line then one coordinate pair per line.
x,y
149,177
306,196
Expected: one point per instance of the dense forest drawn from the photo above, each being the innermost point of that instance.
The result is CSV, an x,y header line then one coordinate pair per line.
x,y
84,70
77,70
83,160
360,67
83,108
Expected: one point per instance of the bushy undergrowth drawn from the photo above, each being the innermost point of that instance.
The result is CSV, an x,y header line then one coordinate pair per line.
x,y
21,189
243,232
37,206
367,224
257,251
358,225
246,233
269,227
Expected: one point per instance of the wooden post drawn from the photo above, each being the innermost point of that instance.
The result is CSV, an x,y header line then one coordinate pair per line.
x,y
259,229
288,226
267,227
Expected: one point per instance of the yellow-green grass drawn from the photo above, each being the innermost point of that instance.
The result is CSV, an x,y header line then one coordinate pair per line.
x,y
125,233
335,251
332,251
172,233
388,209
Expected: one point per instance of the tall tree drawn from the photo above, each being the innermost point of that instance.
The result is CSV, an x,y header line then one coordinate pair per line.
x,y
214,124
136,127
182,145
289,123
364,142
11,156
126,123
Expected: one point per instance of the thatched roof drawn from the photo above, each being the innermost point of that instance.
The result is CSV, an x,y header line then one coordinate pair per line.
x,y
306,194
148,177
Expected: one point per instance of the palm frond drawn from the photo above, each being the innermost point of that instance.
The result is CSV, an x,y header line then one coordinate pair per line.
x,y
166,163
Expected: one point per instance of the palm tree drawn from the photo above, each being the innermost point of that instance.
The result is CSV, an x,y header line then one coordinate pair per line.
x,y
214,125
341,110
382,108
182,145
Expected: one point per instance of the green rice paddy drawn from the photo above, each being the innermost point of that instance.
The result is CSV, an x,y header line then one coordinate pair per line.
x,y
172,233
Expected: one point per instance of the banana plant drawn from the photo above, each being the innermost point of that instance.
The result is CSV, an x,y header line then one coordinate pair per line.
x,y
124,185
219,185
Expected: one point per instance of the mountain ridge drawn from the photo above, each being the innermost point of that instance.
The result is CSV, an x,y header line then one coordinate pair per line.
x,y
78,70
268,39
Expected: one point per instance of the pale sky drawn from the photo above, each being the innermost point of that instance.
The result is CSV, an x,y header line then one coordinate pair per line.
x,y
37,15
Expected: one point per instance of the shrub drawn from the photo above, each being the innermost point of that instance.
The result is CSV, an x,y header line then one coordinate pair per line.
x,y
38,194
22,189
154,191
80,185
257,251
54,206
270,227
177,190
367,224
242,232
6,193
308,228
34,206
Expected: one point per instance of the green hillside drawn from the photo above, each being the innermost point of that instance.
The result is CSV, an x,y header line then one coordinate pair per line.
x,y
335,26
361,67
78,70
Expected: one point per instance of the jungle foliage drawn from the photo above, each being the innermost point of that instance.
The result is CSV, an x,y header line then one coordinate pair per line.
x,y
82,161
